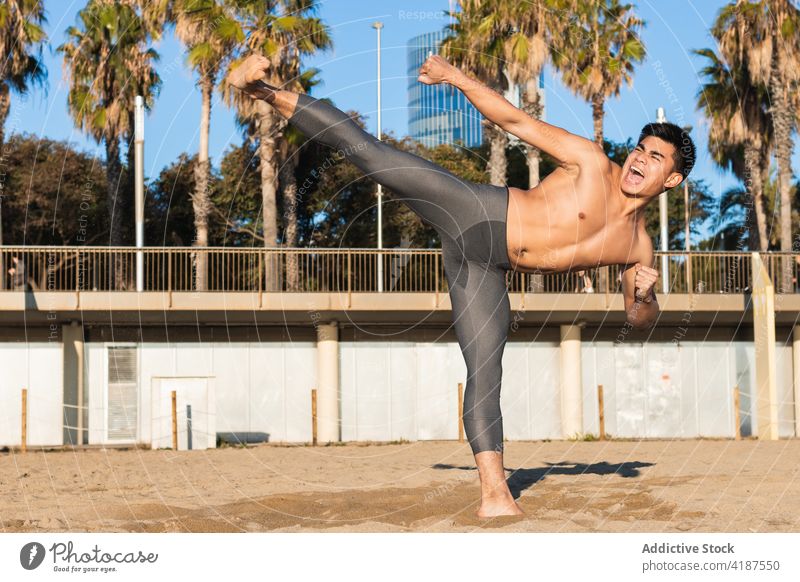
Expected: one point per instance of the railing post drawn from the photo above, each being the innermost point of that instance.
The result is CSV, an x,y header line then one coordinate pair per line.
x,y
689,272
349,279
261,278
77,279
436,276
169,277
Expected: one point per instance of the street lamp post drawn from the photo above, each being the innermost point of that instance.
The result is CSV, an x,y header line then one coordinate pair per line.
x,y
686,212
662,214
139,189
378,26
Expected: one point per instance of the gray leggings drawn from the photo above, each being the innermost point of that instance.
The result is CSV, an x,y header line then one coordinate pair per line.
x,y
471,221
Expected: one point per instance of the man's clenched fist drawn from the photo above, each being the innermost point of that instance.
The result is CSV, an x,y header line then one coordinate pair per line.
x,y
646,278
436,70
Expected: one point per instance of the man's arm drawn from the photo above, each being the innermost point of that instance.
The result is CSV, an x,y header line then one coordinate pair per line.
x,y
638,289
566,147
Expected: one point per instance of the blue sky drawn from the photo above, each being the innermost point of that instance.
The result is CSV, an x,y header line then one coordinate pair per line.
x,y
669,78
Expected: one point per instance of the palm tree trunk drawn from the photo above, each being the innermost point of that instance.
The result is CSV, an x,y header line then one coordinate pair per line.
x,y
498,163
532,106
201,201
268,159
5,105
598,113
783,124
116,211
598,101
756,215
288,182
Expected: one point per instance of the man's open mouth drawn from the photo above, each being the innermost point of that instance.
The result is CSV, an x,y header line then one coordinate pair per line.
x,y
635,176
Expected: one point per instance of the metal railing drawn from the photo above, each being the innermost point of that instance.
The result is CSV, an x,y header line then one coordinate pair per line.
x,y
175,269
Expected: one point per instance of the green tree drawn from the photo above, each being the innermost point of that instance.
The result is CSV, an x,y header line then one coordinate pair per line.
x,y
109,62
596,50
739,130
54,194
476,42
21,41
169,213
766,35
283,31
210,35
237,201
529,27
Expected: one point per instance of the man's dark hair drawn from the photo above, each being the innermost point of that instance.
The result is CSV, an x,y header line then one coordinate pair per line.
x,y
685,151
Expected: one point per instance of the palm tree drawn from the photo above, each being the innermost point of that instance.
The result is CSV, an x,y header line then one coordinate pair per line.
x,y
283,31
740,129
210,35
596,51
289,156
21,41
771,49
530,28
477,43
108,63
739,134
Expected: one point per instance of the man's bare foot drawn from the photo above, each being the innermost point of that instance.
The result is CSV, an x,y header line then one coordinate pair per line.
x,y
497,506
247,75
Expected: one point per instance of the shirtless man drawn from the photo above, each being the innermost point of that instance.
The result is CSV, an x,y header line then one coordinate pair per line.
x,y
587,213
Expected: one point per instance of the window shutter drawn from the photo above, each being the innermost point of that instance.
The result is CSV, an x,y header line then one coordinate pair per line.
x,y
123,394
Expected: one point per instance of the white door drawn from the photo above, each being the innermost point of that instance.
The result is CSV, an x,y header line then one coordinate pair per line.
x,y
190,392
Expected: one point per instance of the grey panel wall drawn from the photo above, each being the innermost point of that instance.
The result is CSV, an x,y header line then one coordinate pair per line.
x,y
667,390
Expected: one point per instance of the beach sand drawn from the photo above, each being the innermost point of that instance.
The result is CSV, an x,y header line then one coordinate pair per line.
x,y
563,486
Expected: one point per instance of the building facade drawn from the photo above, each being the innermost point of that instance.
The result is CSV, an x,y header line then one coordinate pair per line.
x,y
234,362
438,114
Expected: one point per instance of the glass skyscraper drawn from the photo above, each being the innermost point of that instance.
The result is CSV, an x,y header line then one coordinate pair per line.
x,y
438,114
441,114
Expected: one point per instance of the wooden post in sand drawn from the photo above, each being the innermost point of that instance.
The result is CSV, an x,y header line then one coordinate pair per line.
x,y
24,446
174,421
602,410
314,416
736,420
460,412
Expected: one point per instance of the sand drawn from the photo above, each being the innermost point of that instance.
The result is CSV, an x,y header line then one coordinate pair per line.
x,y
563,486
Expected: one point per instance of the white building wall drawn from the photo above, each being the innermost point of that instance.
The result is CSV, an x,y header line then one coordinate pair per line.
x,y
529,397
37,367
408,390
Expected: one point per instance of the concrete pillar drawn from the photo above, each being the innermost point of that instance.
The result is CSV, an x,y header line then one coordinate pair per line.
x,y
796,369
328,424
766,392
74,425
571,384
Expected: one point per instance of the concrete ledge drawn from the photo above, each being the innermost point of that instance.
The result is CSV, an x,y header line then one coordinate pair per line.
x,y
282,308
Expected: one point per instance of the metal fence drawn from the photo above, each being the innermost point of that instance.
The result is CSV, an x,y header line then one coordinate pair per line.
x,y
344,269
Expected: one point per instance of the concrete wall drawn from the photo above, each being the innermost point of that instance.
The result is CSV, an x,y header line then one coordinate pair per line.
x,y
260,387
669,390
36,366
408,389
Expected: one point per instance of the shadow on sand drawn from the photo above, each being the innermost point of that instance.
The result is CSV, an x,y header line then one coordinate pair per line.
x,y
522,479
